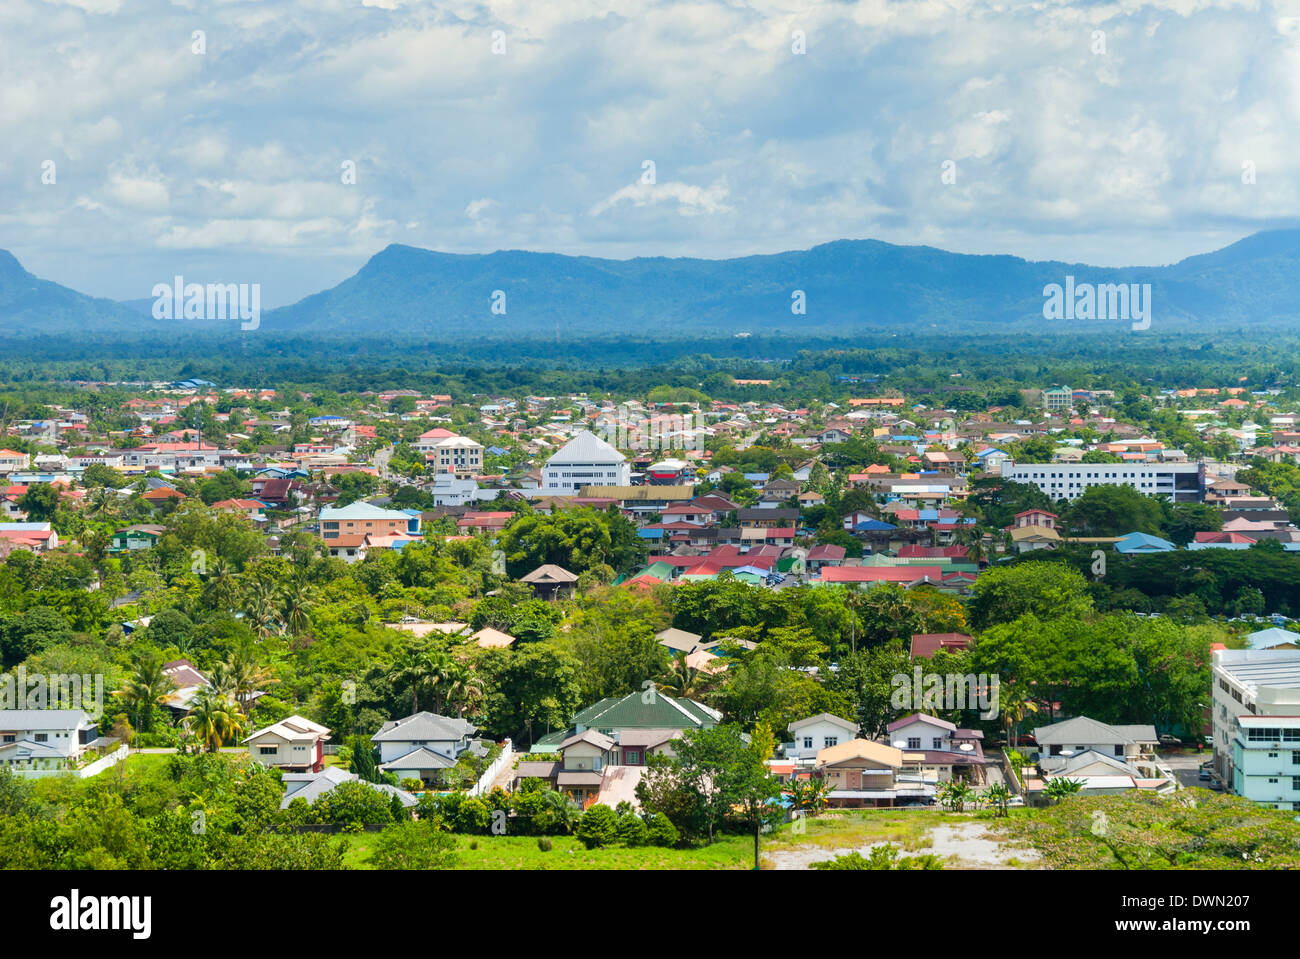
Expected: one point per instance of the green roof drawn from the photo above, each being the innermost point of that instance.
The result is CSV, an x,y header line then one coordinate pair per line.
x,y
641,711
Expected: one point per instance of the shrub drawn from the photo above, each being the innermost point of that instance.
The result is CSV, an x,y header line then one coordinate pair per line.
x,y
412,785
598,827
544,844
660,830
632,830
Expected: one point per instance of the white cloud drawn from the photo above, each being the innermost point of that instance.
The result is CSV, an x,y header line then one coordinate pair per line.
x,y
1130,156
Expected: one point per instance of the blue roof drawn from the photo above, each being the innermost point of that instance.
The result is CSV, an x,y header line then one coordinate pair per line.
x,y
988,452
927,514
873,526
1143,543
759,477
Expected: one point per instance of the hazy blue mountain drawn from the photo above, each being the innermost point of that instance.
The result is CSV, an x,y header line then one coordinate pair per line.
x,y
851,286
30,306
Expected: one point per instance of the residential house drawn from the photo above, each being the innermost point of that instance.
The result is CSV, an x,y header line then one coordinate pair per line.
x,y
811,735
294,744
311,786
425,745
39,739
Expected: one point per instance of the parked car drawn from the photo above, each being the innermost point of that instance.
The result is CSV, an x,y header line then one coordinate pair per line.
x,y
1204,773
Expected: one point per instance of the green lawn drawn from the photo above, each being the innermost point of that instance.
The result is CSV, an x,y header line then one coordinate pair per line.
x,y
520,852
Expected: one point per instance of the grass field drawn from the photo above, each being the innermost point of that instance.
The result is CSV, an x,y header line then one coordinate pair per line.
x,y
521,852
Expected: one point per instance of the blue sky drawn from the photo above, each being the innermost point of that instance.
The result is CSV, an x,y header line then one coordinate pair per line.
x,y
227,165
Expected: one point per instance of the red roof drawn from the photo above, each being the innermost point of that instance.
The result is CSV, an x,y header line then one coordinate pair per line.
x,y
880,574
925,645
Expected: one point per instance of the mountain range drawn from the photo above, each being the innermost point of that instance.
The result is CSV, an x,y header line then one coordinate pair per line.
x,y
848,286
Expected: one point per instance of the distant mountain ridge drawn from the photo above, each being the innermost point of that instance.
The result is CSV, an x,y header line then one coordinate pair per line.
x,y
850,286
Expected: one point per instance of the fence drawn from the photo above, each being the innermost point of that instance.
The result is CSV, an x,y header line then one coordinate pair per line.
x,y
490,774
85,772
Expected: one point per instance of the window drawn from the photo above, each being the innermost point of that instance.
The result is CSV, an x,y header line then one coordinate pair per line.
x,y
1295,783
913,742
633,757
807,742
832,741
937,743
267,750
42,737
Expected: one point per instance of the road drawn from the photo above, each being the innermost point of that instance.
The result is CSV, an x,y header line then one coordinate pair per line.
x,y
1186,766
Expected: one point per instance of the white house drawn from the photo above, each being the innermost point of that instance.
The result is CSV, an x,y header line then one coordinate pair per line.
x,y
1060,741
931,744
586,460
311,786
815,733
294,744
44,738
422,746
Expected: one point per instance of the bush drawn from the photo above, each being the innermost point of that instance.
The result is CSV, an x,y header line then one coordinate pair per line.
x,y
412,785
598,827
660,830
544,844
414,845
632,830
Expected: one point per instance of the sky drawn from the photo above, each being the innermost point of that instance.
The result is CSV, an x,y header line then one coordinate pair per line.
x,y
133,149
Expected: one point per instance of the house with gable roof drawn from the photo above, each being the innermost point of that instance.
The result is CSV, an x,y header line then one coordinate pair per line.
x,y
425,745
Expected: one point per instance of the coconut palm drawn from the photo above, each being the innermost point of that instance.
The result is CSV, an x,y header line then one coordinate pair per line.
x,y
145,689
261,606
239,678
1015,704
221,589
297,602
684,681
416,668
214,719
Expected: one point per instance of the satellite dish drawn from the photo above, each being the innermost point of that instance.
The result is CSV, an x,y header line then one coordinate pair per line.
x,y
966,747
900,744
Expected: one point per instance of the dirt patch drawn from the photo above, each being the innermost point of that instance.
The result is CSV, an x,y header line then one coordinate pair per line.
x,y
962,845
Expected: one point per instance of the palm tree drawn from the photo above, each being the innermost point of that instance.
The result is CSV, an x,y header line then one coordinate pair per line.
x,y
297,599
145,689
214,719
1015,704
418,668
262,608
221,591
239,677
684,681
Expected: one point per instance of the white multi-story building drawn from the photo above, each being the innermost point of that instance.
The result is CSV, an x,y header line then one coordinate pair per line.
x,y
1266,760
586,460
1256,723
458,455
1181,482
